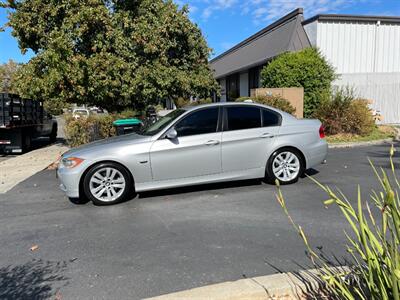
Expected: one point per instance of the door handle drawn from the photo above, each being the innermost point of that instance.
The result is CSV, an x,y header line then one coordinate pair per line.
x,y
266,136
212,143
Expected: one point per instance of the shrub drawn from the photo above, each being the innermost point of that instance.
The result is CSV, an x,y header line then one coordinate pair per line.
x,y
273,101
200,101
95,127
105,127
374,272
344,113
79,132
308,69
181,102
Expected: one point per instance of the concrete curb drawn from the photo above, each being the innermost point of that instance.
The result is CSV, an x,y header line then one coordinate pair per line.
x,y
360,144
370,143
278,286
17,169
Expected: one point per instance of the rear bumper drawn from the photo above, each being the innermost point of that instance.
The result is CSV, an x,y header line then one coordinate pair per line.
x,y
317,154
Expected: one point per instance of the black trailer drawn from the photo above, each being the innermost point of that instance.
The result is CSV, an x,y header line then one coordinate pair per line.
x,y
22,120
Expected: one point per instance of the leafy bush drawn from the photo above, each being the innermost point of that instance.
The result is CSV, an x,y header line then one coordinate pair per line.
x,y
273,101
344,113
80,131
373,244
181,102
95,127
201,101
105,127
308,69
127,114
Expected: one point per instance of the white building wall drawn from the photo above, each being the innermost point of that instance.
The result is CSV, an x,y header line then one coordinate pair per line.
x,y
382,88
244,85
367,57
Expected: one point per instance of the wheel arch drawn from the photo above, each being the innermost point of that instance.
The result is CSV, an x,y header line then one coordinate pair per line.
x,y
82,178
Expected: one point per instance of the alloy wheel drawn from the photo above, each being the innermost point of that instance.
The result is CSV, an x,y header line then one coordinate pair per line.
x,y
286,166
107,184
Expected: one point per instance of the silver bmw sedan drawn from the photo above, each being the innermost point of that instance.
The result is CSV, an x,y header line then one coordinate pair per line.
x,y
195,145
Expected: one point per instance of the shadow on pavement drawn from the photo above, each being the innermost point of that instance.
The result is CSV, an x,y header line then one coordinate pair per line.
x,y
37,279
199,188
36,144
312,285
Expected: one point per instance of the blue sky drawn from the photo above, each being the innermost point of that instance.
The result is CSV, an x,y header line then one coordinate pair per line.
x,y
227,22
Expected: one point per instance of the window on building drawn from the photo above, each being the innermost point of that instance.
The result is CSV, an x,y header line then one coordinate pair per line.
x,y
233,87
254,78
241,117
199,122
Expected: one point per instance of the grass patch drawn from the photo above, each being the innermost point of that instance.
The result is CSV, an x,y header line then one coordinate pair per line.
x,y
379,133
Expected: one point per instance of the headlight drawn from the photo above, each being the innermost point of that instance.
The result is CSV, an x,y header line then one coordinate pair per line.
x,y
71,162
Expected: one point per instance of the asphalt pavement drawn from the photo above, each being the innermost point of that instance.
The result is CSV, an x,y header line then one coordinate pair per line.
x,y
172,240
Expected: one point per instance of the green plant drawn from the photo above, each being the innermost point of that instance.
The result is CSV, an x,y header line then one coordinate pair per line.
x,y
344,113
307,68
200,101
373,245
80,131
112,54
182,102
105,126
86,130
273,101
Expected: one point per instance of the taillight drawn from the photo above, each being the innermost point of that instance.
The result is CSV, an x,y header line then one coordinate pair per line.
x,y
322,132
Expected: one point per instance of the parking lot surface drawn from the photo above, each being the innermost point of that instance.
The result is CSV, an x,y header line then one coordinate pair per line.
x,y
171,240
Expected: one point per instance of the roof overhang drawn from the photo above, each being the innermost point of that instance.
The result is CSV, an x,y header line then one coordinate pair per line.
x,y
286,34
353,18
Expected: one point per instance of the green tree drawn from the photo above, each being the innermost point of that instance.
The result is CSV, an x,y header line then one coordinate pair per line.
x,y
307,69
7,76
111,53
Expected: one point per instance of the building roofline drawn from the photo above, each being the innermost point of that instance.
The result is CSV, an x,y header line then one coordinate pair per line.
x,y
352,18
291,15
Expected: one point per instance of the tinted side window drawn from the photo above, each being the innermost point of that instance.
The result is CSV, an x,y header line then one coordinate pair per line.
x,y
271,118
243,117
199,122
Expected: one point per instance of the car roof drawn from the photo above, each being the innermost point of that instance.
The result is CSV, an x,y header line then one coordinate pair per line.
x,y
218,104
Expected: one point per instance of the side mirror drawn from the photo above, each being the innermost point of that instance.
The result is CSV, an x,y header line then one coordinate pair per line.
x,y
171,134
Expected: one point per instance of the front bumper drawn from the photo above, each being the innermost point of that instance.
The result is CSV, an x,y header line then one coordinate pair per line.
x,y
70,179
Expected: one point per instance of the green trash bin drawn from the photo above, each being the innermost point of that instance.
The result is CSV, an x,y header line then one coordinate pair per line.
x,y
125,126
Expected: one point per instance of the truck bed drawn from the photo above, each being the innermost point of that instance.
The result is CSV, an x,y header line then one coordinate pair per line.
x,y
17,112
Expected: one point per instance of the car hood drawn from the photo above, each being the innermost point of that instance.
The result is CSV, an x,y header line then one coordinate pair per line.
x,y
127,139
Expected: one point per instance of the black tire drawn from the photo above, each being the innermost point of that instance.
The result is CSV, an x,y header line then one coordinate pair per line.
x,y
26,141
122,197
53,134
269,174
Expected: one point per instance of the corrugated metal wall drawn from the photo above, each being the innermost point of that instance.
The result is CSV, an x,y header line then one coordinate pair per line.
x,y
382,88
367,57
360,47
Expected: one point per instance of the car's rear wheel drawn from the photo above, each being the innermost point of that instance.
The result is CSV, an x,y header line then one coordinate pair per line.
x,y
286,165
107,183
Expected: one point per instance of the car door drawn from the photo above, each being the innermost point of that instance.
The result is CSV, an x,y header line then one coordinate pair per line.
x,y
248,136
195,152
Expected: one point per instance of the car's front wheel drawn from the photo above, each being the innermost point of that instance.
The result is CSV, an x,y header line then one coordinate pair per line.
x,y
107,184
285,165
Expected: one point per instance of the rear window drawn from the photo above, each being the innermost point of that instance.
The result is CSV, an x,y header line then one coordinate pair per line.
x,y
271,118
240,117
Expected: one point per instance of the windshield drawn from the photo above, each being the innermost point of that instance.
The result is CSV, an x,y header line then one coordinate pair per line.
x,y
155,128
